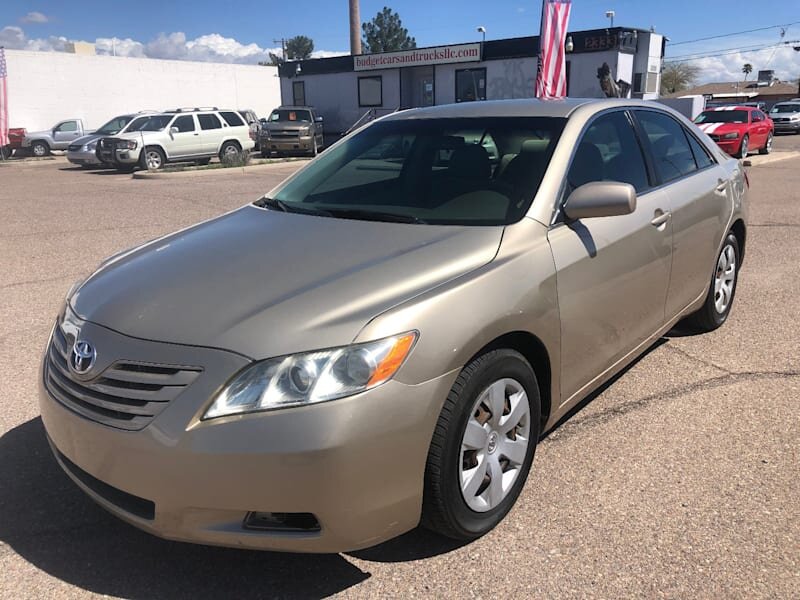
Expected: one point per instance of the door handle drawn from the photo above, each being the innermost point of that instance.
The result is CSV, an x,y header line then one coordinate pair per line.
x,y
722,184
660,219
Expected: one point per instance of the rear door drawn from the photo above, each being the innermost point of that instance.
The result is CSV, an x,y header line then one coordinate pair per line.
x,y
697,191
612,272
212,132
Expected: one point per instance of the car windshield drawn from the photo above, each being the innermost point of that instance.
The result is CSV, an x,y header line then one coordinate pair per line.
x,y
137,124
722,116
156,123
785,108
114,126
438,171
281,114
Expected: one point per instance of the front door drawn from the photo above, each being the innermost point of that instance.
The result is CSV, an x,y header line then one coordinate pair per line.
x,y
612,272
187,141
65,132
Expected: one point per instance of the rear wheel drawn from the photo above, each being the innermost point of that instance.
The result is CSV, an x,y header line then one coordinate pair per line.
x,y
483,446
39,148
722,290
767,145
5,152
153,158
229,151
743,149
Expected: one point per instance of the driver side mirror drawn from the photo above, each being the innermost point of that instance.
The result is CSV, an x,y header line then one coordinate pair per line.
x,y
174,130
318,120
600,199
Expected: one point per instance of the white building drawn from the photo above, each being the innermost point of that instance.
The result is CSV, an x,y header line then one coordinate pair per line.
x,y
46,87
343,88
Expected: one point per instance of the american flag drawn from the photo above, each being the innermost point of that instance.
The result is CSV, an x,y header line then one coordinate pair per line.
x,y
551,80
3,99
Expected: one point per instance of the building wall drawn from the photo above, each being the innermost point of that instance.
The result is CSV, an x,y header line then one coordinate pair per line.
x,y
45,87
648,60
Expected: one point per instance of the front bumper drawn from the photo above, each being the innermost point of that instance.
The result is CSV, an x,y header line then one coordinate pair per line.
x,y
356,464
294,144
83,157
730,146
788,126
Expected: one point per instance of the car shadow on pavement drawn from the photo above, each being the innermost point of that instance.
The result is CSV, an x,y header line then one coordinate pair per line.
x,y
49,522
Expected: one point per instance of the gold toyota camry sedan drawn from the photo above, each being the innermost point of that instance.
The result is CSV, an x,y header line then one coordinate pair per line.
x,y
381,340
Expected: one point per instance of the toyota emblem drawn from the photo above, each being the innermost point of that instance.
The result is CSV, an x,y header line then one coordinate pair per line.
x,y
83,356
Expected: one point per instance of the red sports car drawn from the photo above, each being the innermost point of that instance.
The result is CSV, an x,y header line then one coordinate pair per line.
x,y
738,129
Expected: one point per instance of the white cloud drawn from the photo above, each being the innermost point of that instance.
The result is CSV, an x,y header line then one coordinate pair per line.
x,y
784,60
35,17
212,47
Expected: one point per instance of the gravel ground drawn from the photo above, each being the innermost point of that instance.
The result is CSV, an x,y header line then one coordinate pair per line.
x,y
678,479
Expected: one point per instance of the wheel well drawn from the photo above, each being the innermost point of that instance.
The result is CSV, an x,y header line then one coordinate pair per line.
x,y
232,141
536,354
40,142
740,232
157,147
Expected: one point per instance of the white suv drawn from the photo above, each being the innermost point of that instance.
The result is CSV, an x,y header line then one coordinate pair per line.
x,y
180,135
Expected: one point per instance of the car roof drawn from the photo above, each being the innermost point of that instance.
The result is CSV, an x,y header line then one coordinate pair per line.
x,y
292,107
528,107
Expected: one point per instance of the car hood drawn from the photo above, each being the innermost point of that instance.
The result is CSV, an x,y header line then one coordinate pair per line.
x,y
86,139
264,283
720,128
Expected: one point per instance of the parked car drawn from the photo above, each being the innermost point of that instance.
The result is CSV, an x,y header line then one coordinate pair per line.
x,y
786,116
59,137
15,137
181,135
253,122
383,339
292,129
83,151
738,130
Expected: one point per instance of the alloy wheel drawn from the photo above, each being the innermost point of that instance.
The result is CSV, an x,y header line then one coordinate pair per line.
x,y
152,159
725,279
494,444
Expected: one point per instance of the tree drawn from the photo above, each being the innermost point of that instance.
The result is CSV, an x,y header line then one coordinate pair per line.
x,y
385,33
747,69
299,47
677,76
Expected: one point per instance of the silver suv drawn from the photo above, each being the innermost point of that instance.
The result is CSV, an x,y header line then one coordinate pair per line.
x,y
786,116
194,134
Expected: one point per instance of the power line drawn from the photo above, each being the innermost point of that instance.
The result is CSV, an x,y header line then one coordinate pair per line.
x,y
722,35
732,49
736,51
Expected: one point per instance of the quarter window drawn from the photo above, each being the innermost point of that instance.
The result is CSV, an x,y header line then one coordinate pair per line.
x,y
609,151
209,122
671,152
184,123
232,119
701,156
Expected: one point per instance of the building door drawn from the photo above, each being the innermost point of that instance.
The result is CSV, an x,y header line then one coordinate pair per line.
x,y
417,87
298,93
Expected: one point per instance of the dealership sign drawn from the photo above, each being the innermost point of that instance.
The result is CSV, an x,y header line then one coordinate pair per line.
x,y
423,56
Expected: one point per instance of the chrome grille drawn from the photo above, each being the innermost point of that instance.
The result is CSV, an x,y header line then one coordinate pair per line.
x,y
126,395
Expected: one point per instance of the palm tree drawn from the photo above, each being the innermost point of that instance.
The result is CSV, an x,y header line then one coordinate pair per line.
x,y
747,69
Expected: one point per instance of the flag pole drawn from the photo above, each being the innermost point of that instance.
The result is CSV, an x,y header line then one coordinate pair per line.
x,y
3,154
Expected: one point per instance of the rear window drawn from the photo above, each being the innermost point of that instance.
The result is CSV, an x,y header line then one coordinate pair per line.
x,y
438,171
231,118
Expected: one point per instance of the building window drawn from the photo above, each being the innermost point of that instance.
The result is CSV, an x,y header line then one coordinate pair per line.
x,y
370,91
470,85
298,93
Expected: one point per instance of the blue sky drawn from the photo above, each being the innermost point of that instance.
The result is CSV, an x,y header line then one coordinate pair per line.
x,y
243,30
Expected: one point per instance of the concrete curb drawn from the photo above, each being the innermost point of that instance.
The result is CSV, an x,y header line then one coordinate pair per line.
x,y
758,161
209,172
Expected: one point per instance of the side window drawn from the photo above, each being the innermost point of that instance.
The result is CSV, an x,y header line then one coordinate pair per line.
x,y
670,148
232,119
68,126
701,156
184,123
209,122
609,151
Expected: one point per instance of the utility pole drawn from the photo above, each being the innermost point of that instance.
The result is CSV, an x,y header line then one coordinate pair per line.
x,y
355,27
282,42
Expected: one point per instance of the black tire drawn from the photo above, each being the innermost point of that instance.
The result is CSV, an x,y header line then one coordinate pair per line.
x,y
767,145
744,148
444,509
265,154
40,148
225,149
314,148
161,159
6,152
709,317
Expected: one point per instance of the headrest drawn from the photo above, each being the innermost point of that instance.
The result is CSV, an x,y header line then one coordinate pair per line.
x,y
470,161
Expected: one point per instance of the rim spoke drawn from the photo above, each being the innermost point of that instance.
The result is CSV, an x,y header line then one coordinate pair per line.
x,y
496,399
475,436
519,409
474,477
495,490
514,450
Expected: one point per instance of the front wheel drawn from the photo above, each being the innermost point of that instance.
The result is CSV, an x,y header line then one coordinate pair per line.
x,y
40,149
743,148
153,158
483,446
767,145
719,300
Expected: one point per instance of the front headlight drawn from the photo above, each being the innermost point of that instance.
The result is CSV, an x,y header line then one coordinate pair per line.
x,y
90,147
730,136
305,131
312,377
127,144
795,118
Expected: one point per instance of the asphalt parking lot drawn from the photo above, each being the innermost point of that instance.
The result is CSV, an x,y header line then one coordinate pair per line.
x,y
679,479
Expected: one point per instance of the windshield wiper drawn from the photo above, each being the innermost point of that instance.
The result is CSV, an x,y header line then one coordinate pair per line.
x,y
282,206
373,215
